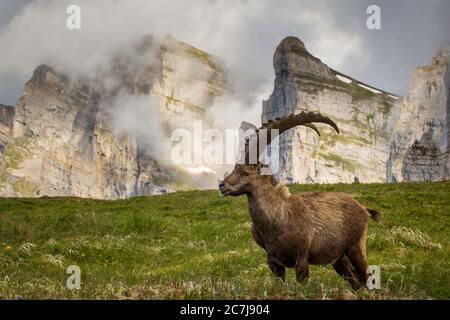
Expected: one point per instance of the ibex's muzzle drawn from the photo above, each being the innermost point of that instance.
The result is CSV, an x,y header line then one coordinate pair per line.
x,y
222,187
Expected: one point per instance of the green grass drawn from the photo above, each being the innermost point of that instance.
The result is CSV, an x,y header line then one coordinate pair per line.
x,y
198,245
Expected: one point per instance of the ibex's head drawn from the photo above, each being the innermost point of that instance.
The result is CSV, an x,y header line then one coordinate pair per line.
x,y
240,180
245,176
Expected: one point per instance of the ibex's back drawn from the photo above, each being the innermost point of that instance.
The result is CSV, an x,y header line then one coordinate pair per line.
x,y
334,220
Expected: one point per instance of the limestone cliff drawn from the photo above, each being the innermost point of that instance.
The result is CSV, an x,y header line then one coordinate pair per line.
x,y
6,124
420,145
187,85
61,141
365,115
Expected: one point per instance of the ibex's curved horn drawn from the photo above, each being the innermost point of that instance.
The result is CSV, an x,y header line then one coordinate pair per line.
x,y
310,125
301,119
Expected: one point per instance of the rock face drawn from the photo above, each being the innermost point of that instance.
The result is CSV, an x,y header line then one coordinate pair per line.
x,y
366,117
59,141
420,145
190,79
6,124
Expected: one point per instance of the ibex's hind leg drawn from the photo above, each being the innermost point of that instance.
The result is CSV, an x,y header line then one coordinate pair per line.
x,y
357,256
345,269
359,262
302,269
277,269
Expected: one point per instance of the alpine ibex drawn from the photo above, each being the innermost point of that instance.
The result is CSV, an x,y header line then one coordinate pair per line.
x,y
302,229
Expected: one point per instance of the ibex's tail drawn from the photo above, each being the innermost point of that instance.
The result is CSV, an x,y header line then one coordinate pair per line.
x,y
374,214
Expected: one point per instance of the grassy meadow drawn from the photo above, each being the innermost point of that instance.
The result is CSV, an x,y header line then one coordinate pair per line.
x,y
198,245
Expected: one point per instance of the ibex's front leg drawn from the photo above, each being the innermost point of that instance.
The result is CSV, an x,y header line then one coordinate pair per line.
x,y
302,268
277,269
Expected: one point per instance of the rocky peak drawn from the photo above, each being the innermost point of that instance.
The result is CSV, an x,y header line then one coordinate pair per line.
x,y
59,83
364,114
47,75
442,56
420,145
291,56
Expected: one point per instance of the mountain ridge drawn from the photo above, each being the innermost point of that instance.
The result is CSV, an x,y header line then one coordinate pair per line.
x,y
63,142
60,138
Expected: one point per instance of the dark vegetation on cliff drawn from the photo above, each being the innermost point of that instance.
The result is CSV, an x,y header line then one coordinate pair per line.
x,y
198,245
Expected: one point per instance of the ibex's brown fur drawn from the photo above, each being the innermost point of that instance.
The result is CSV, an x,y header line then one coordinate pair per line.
x,y
302,229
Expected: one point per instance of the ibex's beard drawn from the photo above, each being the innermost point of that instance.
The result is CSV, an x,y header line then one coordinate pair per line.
x,y
223,189
225,192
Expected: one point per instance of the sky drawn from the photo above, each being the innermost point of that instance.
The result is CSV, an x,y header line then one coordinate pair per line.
x,y
243,33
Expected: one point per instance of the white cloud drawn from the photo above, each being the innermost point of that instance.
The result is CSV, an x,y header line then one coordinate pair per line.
x,y
333,45
138,116
243,33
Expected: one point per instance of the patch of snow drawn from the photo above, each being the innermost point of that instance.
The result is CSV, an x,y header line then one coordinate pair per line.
x,y
344,79
368,88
